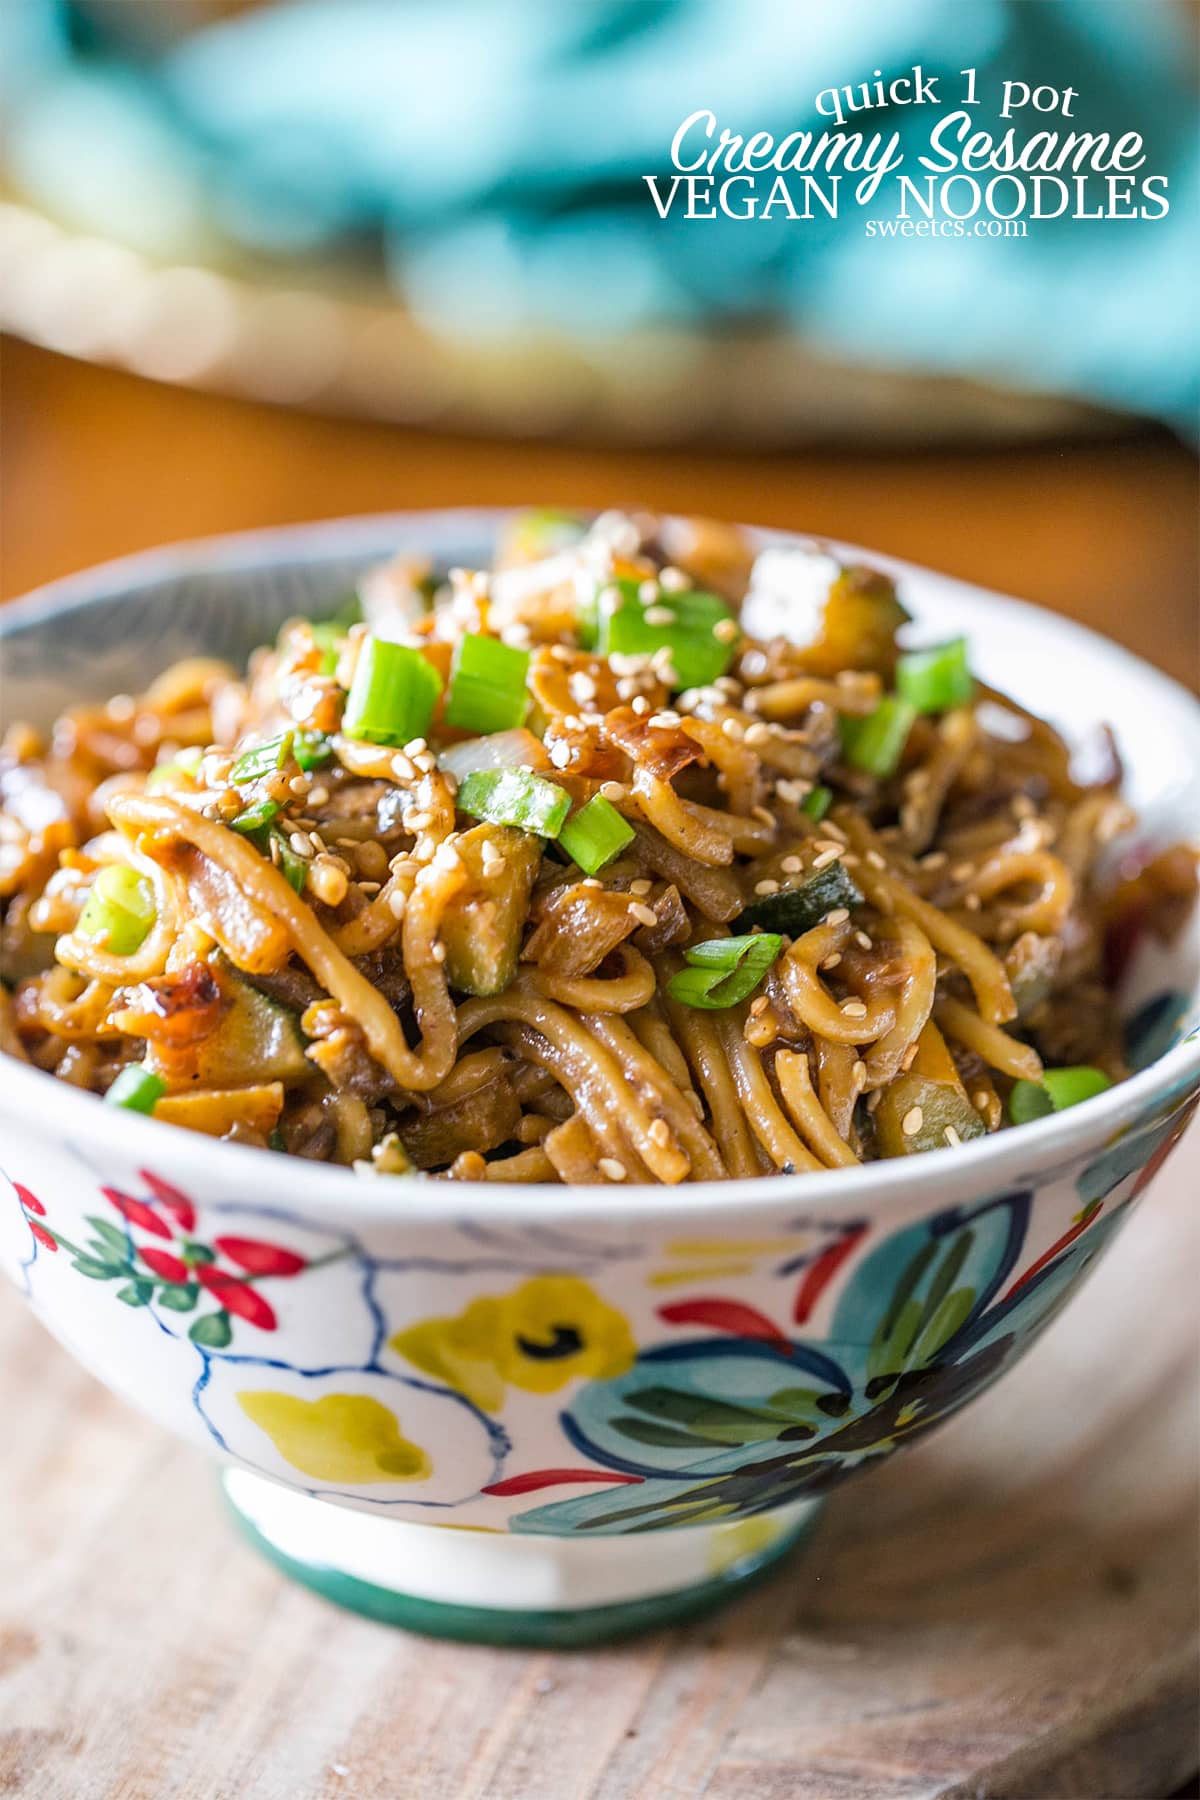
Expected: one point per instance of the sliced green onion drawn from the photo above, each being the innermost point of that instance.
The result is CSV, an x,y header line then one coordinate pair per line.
x,y
1057,1090
487,685
252,817
186,763
724,971
137,1089
595,834
876,743
294,868
936,679
511,797
817,804
308,749
120,909
393,694
797,909
698,628
544,529
263,759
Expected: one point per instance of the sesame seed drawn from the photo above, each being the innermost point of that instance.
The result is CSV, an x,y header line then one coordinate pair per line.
x,y
666,720
318,796
725,631
659,1132
640,705
951,1136
591,881
832,960
791,865
583,687
397,902
368,887
299,844
838,916
912,1121
827,856
415,746
298,784
766,886
875,860
424,761
972,902
864,942
962,871
446,857
641,886
438,953
645,915
613,790
659,615
611,1169
673,581
793,791
560,755
858,1074
402,768
854,1009
937,859
763,814
648,594
759,1006
733,728
416,821
758,733
980,1099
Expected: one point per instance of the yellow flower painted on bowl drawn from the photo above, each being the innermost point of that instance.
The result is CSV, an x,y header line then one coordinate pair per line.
x,y
349,1439
543,1334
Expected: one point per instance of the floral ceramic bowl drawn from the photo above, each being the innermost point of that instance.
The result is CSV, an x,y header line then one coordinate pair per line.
x,y
622,1405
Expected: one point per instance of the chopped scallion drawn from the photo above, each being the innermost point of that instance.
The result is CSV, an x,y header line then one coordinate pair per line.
x,y
876,743
251,817
511,797
936,679
699,629
294,868
817,803
137,1089
1057,1090
262,759
120,909
724,971
487,685
393,694
594,835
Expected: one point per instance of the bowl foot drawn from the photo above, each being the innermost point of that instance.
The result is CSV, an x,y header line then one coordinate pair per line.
x,y
503,1588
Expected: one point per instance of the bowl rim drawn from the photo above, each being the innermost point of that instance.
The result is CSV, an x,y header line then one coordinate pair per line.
x,y
1002,1159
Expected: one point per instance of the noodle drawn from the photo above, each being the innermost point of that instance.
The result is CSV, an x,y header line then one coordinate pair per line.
x,y
364,940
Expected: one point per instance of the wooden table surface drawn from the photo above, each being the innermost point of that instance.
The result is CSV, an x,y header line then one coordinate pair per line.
x,y
1008,1610
97,463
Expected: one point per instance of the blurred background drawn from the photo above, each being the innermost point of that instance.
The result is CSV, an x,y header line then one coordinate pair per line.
x,y
266,260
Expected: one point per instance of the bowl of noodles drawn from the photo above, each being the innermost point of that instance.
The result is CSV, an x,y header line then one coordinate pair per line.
x,y
581,1031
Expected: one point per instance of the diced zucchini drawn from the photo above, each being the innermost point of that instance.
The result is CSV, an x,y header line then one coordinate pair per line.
x,y
481,926
941,1105
257,1040
797,909
859,624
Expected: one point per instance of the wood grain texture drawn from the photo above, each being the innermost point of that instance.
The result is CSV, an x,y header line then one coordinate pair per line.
x,y
1007,1612
97,463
